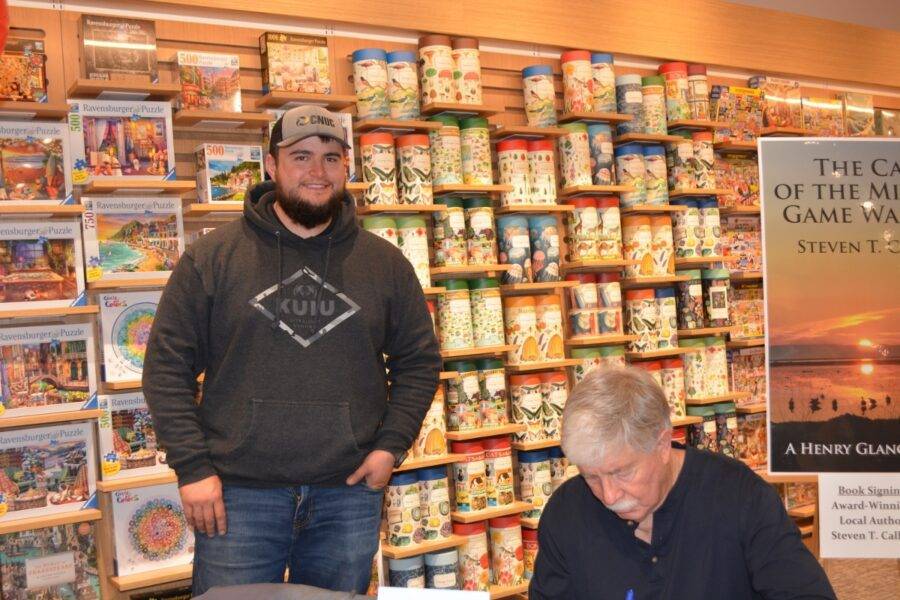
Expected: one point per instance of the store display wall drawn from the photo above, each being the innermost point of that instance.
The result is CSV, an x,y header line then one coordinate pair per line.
x,y
537,367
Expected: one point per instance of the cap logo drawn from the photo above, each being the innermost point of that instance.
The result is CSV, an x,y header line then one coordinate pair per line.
x,y
314,120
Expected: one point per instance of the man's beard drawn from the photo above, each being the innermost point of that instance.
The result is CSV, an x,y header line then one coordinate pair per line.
x,y
305,213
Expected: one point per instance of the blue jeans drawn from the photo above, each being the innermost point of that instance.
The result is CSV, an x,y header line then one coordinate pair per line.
x,y
327,536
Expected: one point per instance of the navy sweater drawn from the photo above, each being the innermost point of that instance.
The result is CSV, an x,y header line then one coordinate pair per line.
x,y
722,532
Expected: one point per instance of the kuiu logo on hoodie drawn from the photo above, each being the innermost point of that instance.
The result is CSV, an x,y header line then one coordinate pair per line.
x,y
299,315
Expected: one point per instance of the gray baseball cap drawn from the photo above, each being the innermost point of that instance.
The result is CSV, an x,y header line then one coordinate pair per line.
x,y
305,121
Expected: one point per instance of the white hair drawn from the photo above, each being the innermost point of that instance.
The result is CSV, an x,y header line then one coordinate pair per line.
x,y
612,407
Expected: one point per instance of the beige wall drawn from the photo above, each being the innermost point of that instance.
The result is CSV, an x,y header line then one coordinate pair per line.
x,y
713,32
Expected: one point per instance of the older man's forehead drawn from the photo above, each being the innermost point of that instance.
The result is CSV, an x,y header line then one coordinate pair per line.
x,y
612,461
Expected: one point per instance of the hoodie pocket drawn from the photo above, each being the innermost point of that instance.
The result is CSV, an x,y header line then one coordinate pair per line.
x,y
296,442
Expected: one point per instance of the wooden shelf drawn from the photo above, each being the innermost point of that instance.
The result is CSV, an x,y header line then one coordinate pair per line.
x,y
490,513
62,311
609,339
467,352
506,591
48,418
697,124
802,512
598,190
395,552
636,283
514,289
477,434
729,397
806,530
123,90
533,209
466,271
646,138
746,276
127,483
77,516
127,583
698,192
541,445
739,210
398,125
119,386
530,523
124,284
436,108
650,209
356,187
431,461
752,409
782,131
748,343
433,291
787,477
735,146
47,111
377,209
668,352
50,210
543,366
685,421
283,99
603,117
705,331
228,120
448,375
594,265
111,185
211,208
524,131
696,261
459,188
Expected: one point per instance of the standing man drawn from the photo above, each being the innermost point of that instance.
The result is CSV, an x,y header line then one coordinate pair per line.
x,y
649,519
289,313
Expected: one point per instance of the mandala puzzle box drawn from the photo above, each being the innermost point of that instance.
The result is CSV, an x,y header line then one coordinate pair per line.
x,y
151,532
46,369
125,322
47,470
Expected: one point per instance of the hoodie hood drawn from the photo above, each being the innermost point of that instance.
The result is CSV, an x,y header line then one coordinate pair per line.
x,y
258,209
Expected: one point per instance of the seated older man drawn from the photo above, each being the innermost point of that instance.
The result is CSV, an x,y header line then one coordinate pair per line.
x,y
648,518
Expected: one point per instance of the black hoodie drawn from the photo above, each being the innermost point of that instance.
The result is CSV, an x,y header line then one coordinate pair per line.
x,y
300,399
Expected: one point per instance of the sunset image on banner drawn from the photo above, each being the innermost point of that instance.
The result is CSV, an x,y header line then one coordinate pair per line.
x,y
832,259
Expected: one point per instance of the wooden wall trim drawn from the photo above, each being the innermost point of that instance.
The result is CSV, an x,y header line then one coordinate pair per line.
x,y
712,32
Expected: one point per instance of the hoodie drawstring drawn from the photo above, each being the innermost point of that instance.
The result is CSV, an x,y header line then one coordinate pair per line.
x,y
322,284
277,320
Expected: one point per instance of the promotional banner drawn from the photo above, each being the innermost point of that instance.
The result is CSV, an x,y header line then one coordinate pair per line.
x,y
859,515
832,285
